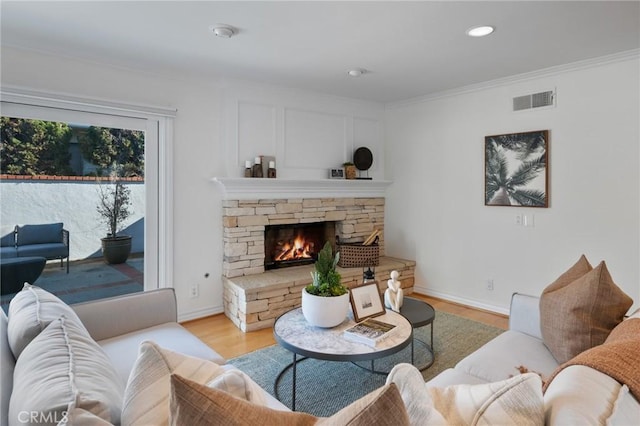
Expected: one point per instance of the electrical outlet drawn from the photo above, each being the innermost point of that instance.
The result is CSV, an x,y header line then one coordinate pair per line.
x,y
518,220
194,291
490,284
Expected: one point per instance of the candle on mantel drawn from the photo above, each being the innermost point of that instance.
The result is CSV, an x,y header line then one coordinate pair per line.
x,y
271,172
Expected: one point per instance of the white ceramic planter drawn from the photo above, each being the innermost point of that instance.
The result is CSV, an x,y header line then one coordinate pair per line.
x,y
325,312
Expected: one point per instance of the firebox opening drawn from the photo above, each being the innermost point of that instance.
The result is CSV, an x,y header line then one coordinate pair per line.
x,y
295,244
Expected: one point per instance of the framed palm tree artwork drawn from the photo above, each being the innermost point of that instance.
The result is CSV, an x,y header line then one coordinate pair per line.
x,y
516,170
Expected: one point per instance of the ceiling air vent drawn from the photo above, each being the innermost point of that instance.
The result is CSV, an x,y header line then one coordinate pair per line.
x,y
535,100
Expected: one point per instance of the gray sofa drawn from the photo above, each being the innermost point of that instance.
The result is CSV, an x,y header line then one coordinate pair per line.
x,y
119,325
49,240
583,396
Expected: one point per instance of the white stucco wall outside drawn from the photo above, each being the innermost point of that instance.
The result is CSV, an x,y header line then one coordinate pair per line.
x,y
73,203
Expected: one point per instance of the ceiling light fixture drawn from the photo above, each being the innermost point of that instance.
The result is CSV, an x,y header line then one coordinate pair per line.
x,y
221,30
481,31
356,72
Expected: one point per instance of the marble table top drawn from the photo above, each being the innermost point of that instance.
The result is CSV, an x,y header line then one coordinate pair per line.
x,y
294,333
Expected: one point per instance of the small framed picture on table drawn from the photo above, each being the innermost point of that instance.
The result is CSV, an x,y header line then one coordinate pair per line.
x,y
366,301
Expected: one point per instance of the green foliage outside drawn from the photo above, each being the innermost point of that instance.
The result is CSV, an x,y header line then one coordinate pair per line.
x,y
104,146
34,147
326,280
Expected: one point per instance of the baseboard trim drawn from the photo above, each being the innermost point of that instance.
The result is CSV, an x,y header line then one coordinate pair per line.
x,y
462,301
199,313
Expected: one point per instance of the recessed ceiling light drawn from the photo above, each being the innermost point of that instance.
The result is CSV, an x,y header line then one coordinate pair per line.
x,y
480,31
222,30
356,72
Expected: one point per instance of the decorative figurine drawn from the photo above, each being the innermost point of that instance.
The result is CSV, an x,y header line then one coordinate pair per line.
x,y
393,296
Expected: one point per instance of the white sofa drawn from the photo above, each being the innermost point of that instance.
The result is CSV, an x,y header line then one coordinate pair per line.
x,y
579,395
119,325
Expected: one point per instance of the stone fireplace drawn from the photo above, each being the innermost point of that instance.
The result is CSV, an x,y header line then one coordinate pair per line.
x,y
245,222
254,296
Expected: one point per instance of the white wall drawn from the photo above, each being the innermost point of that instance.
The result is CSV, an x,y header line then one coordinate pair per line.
x,y
205,137
435,207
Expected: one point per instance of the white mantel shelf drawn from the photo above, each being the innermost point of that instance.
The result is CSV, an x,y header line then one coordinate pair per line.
x,y
265,188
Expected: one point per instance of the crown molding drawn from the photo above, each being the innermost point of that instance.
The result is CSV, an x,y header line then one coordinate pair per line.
x,y
519,78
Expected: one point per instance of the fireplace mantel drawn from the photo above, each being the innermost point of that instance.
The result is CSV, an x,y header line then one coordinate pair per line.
x,y
254,188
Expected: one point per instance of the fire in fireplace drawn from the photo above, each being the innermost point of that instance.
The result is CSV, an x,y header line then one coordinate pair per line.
x,y
295,244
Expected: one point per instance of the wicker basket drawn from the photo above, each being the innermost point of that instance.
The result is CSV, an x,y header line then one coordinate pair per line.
x,y
355,255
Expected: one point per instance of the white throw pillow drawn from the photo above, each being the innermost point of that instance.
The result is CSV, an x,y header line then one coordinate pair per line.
x,y
63,369
582,395
30,312
517,400
146,398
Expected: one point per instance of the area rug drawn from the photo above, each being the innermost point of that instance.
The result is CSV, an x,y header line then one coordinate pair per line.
x,y
324,387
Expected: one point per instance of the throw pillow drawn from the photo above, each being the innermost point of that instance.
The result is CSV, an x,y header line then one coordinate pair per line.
x,y
63,369
517,400
192,403
146,398
578,315
238,384
30,312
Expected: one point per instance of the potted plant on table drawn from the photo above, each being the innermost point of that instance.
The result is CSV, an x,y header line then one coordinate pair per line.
x,y
113,206
325,302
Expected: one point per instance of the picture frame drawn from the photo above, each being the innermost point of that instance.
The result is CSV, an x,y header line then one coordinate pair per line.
x,y
336,173
516,169
366,301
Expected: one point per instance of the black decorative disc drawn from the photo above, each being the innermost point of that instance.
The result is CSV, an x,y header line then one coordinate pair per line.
x,y
363,158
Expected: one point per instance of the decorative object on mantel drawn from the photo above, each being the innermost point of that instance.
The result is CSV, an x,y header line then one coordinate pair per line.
x,y
325,302
350,171
363,159
516,169
247,169
393,295
271,172
257,172
358,255
336,173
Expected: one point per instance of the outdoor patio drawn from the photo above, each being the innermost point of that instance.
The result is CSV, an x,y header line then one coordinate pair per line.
x,y
89,279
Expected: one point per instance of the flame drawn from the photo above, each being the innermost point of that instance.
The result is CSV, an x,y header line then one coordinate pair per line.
x,y
298,249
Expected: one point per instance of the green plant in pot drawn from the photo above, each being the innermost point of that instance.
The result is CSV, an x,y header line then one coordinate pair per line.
x,y
325,302
113,207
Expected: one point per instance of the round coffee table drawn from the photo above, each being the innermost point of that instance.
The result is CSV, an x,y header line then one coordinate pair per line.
x,y
295,334
420,314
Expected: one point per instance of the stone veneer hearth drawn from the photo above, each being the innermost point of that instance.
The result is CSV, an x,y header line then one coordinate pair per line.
x,y
253,298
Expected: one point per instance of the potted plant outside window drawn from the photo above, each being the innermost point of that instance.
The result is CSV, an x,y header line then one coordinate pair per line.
x,y
113,207
325,302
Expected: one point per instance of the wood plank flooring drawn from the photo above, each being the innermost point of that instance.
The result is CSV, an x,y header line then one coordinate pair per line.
x,y
222,335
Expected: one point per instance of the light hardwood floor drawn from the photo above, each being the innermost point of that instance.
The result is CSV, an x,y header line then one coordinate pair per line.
x,y
222,335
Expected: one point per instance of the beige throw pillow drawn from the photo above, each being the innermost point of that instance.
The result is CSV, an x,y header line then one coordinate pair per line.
x,y
146,398
579,310
515,401
63,370
30,312
195,404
